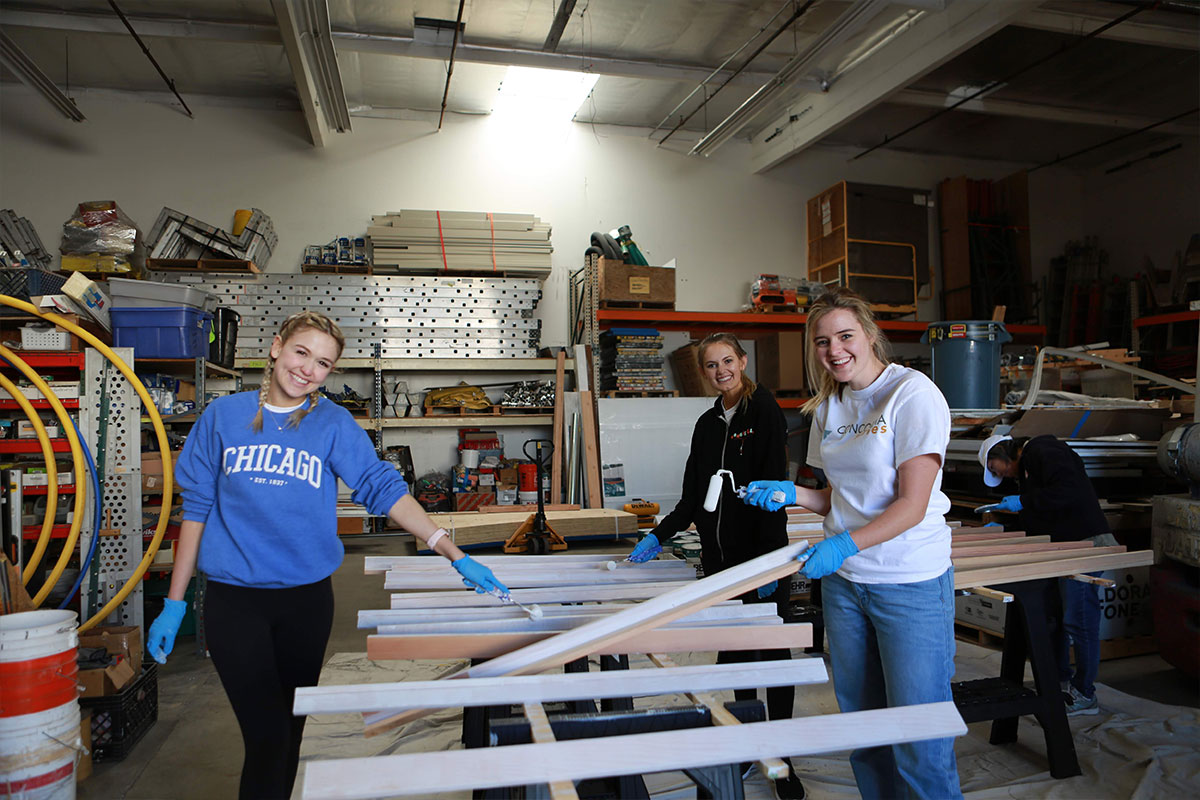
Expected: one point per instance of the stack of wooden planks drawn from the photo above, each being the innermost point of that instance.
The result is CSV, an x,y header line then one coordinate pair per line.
x,y
472,528
986,555
414,240
691,615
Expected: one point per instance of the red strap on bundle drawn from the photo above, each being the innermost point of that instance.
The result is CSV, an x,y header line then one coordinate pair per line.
x,y
492,223
442,241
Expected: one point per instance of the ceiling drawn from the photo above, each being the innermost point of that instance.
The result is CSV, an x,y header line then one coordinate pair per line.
x,y
854,74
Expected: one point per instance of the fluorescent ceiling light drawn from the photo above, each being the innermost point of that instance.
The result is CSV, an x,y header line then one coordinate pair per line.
x,y
547,94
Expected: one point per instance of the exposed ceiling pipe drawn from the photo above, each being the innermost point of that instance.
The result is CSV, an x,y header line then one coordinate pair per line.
x,y
32,76
792,19
450,68
846,25
992,85
1149,127
170,83
559,25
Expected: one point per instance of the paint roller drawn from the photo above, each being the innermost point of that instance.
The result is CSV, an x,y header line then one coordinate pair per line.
x,y
534,611
714,490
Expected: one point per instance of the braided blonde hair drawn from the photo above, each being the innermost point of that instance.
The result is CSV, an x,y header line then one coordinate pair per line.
x,y
290,327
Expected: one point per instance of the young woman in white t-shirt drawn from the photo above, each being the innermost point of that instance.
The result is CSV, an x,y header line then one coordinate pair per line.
x,y
879,433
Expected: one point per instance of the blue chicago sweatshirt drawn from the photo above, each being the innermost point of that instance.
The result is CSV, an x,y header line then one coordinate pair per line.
x,y
268,500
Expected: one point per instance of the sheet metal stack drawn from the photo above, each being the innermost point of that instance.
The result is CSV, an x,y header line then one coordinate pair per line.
x,y
19,240
631,360
409,316
176,235
472,241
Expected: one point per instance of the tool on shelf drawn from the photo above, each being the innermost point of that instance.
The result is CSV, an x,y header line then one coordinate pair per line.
x,y
645,510
535,535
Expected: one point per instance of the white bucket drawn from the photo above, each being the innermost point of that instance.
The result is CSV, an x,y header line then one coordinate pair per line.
x,y
39,752
34,634
469,458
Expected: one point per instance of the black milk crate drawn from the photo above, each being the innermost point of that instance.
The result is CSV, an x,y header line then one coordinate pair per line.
x,y
120,720
29,282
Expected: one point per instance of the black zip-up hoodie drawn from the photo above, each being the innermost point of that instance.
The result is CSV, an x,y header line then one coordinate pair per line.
x,y
1057,496
753,446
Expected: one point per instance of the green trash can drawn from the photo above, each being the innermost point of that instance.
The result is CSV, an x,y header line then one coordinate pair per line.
x,y
966,361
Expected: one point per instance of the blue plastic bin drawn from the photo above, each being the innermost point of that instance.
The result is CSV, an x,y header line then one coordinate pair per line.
x,y
167,332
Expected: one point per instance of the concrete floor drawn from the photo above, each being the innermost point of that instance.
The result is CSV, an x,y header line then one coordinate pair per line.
x,y
194,751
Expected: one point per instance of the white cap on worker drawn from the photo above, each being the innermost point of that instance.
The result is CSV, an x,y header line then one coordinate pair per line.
x,y
989,477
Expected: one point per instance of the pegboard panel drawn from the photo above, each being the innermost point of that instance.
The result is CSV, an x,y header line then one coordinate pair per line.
x,y
119,553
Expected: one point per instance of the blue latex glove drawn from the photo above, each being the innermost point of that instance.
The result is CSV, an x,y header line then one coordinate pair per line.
x,y
478,577
766,590
827,556
1010,503
646,549
993,525
161,638
761,494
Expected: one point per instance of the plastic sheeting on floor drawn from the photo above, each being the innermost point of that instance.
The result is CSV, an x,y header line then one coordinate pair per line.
x,y
1134,748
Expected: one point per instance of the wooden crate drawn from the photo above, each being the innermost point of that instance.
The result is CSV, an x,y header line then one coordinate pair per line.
x,y
622,283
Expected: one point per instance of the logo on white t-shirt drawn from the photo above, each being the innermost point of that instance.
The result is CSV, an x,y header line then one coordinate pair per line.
x,y
863,428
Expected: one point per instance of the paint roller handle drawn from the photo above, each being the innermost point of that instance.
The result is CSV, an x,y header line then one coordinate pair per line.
x,y
478,577
770,495
160,640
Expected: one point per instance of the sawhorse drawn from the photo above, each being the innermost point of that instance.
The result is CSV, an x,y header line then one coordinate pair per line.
x,y
1028,634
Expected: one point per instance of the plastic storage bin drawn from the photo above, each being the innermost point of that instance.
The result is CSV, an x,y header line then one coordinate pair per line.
x,y
25,283
120,720
162,332
42,338
127,293
966,361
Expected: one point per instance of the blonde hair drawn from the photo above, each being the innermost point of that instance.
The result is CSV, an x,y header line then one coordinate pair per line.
x,y
748,386
290,327
820,382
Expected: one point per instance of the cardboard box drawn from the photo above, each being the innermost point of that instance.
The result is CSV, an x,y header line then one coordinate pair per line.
x,y
689,377
152,470
83,768
348,526
506,495
107,681
627,283
37,476
25,430
980,612
507,477
88,294
1078,423
118,640
781,361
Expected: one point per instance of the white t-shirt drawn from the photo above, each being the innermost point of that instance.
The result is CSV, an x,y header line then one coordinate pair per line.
x,y
859,440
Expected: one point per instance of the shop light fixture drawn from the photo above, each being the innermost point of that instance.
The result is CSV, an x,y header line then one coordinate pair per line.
x,y
542,94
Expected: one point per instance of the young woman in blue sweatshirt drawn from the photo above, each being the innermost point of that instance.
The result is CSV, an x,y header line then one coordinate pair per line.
x,y
259,476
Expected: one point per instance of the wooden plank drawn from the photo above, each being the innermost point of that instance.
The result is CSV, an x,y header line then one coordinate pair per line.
x,y
670,640
615,629
376,564
517,765
556,471
591,454
989,549
774,768
1017,539
541,733
466,598
964,562
399,580
990,576
529,508
370,618
564,622
529,563
551,687
471,527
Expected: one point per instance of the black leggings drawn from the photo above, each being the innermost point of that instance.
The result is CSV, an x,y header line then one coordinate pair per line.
x,y
779,698
265,643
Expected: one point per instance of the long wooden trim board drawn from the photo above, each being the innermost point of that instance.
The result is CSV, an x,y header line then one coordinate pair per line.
x,y
401,581
546,688
612,630
988,576
373,565
664,639
977,562
465,598
565,622
370,618
519,765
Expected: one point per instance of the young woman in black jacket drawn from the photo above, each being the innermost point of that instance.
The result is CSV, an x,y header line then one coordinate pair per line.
x,y
744,432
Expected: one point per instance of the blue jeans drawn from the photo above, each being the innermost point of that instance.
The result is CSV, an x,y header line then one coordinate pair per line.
x,y
893,645
1080,626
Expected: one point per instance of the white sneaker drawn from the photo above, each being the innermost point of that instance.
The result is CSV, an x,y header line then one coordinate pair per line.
x,y
1080,704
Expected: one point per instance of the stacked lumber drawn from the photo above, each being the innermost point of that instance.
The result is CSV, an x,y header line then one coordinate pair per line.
x,y
460,241
471,528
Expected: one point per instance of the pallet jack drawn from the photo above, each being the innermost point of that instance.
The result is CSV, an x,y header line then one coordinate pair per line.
x,y
535,535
